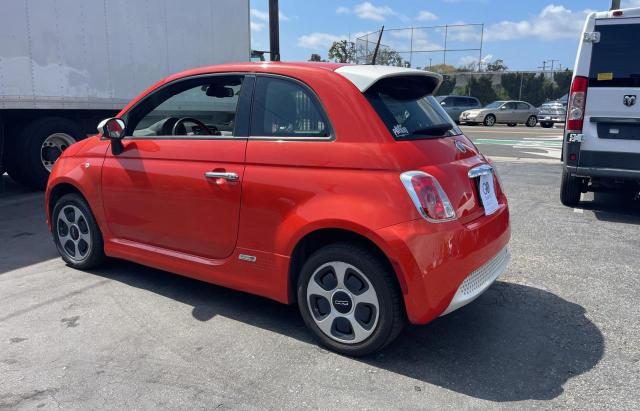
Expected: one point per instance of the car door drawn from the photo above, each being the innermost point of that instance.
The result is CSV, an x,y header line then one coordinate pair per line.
x,y
523,112
176,185
506,113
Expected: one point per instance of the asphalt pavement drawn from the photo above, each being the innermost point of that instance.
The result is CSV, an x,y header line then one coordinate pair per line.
x,y
517,142
560,329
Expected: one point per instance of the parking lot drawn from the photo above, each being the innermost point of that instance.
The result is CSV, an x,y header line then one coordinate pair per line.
x,y
559,329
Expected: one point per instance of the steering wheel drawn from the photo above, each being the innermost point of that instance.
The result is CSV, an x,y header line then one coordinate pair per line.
x,y
180,123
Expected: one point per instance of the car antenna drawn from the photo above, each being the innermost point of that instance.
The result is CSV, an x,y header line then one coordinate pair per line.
x,y
375,51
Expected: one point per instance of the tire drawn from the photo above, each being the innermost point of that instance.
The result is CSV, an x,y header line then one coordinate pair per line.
x,y
570,189
28,166
364,270
489,120
512,124
71,229
531,121
546,125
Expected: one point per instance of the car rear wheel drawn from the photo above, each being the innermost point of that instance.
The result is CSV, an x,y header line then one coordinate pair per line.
x,y
489,120
76,233
570,189
350,300
532,121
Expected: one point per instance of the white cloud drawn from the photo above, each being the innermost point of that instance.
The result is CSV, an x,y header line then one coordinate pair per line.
x,y
425,15
552,23
318,41
368,11
255,26
343,10
264,15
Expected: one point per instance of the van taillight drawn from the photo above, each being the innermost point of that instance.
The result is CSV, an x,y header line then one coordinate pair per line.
x,y
428,196
577,100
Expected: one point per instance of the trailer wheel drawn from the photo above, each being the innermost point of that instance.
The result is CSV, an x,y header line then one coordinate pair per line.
x,y
39,146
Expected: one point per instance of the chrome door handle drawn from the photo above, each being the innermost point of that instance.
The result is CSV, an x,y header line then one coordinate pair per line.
x,y
221,174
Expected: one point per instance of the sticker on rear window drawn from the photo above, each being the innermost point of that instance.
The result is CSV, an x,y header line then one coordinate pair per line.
x,y
605,76
400,131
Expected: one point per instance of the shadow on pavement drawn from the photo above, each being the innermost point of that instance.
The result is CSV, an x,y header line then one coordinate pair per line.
x,y
615,208
514,343
24,238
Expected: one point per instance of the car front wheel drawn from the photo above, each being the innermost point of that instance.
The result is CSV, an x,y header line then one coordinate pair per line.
x,y
489,120
350,299
76,233
532,121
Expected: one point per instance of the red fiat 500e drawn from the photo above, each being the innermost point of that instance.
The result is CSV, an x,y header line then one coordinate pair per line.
x,y
346,189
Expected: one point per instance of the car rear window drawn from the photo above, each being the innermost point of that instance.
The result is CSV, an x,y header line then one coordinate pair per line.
x,y
408,114
615,59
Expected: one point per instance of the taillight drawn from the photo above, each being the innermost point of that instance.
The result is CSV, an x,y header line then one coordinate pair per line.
x,y
428,196
577,100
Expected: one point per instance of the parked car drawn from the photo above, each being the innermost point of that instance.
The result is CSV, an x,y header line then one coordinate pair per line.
x,y
601,149
502,112
455,105
551,113
366,205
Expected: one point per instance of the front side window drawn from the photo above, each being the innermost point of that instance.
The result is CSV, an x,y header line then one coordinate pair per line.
x,y
285,108
409,114
495,104
194,107
510,106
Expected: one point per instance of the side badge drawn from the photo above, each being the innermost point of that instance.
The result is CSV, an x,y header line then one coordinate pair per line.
x,y
246,257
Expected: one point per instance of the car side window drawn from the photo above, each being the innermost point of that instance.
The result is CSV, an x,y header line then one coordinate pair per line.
x,y
285,108
510,106
202,106
523,106
473,102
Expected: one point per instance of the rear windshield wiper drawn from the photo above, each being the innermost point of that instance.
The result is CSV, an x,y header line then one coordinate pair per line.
x,y
434,130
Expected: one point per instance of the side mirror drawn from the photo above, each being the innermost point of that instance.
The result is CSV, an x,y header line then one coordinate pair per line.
x,y
113,129
503,107
444,103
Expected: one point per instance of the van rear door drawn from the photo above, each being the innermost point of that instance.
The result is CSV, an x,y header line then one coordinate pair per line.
x,y
612,114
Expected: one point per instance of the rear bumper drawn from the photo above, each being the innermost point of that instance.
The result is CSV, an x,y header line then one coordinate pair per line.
x,y
434,260
619,173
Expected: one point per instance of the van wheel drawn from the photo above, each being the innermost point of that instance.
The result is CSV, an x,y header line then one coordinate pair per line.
x,y
532,121
512,124
489,120
546,125
76,233
38,147
570,189
350,300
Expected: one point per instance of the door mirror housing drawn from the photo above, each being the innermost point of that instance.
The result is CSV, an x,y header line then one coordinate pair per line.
x,y
503,107
114,129
444,103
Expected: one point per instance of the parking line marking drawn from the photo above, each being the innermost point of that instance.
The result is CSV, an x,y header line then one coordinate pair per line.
x,y
578,210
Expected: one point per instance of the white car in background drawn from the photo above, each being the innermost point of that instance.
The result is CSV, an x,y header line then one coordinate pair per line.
x,y
601,148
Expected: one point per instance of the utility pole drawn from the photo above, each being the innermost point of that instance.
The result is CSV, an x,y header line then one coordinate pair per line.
x,y
274,31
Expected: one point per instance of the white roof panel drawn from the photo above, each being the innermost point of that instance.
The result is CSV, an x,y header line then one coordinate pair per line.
x,y
364,76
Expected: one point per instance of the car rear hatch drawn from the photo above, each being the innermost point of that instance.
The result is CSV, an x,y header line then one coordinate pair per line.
x,y
427,138
612,114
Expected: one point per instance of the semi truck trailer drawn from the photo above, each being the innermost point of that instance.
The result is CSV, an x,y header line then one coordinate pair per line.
x,y
67,64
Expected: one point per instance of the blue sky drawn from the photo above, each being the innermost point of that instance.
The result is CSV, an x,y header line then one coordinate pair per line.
x,y
523,33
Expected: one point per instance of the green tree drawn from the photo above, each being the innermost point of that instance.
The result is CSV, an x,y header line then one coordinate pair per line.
x,y
447,86
343,51
389,57
481,88
441,68
497,65
563,82
315,57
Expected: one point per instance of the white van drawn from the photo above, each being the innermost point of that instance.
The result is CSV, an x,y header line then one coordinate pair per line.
x,y
601,149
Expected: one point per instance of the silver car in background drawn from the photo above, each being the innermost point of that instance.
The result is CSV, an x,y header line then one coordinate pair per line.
x,y
510,113
455,105
551,113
